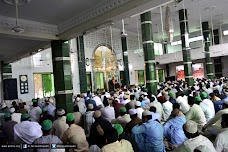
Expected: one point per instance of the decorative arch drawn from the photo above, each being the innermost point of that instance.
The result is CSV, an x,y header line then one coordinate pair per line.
x,y
104,63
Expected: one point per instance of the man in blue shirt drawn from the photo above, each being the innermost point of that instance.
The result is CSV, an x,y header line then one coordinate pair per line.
x,y
173,129
149,135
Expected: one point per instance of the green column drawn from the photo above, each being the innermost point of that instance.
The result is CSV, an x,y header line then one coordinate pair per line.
x,y
207,42
6,71
125,61
183,18
148,49
62,74
81,64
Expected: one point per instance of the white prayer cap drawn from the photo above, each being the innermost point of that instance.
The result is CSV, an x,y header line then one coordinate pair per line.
x,y
118,100
138,103
12,110
115,96
146,113
190,126
124,97
120,96
132,111
60,112
51,100
4,105
90,106
85,95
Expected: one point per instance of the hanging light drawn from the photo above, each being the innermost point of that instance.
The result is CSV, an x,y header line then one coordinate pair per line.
x,y
169,29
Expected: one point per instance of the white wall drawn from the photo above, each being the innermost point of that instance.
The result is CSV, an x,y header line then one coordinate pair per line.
x,y
30,65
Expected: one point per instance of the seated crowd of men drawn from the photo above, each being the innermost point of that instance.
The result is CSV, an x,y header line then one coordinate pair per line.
x,y
179,118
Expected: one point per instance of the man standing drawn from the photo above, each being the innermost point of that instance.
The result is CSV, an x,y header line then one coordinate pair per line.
x,y
47,137
97,130
35,112
107,112
135,120
196,113
75,135
60,125
151,132
123,119
207,106
139,109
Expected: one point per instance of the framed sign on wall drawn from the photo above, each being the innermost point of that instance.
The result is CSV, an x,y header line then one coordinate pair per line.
x,y
23,84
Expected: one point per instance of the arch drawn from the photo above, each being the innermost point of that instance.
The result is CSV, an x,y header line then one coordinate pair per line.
x,y
104,66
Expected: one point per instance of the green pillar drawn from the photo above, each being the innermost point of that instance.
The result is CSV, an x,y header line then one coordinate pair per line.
x,y
62,74
125,61
207,42
183,18
81,64
6,71
148,49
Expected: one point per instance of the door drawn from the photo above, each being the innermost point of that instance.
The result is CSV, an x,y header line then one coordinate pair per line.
x,y
100,82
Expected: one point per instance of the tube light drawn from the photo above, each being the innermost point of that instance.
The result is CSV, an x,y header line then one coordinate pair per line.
x,y
225,32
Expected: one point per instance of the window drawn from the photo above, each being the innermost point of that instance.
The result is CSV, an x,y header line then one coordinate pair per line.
x,y
44,85
139,77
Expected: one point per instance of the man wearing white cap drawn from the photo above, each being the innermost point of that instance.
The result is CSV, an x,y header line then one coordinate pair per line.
x,y
139,109
4,108
184,106
135,120
60,125
167,107
15,116
88,119
149,135
195,140
98,101
125,100
145,99
214,125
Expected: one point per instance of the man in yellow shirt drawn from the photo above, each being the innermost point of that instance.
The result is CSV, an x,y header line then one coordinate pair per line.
x,y
114,145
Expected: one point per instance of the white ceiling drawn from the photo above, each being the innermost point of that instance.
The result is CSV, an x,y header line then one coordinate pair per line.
x,y
50,11
47,20
194,8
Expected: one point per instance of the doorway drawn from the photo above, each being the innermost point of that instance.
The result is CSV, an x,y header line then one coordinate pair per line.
x,y
104,67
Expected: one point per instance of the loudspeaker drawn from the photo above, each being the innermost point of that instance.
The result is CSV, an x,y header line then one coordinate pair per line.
x,y
10,89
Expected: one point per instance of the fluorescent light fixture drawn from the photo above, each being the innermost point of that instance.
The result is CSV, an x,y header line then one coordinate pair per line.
x,y
176,43
194,39
225,32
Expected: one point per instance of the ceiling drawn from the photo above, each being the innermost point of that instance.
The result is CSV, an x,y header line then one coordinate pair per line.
x,y
47,20
219,13
50,11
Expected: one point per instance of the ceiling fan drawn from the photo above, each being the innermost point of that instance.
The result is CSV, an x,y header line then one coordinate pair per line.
x,y
17,28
